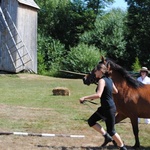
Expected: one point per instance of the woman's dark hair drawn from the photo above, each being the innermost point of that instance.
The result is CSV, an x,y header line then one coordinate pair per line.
x,y
103,68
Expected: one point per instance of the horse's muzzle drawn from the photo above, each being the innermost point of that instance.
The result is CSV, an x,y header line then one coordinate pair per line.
x,y
86,81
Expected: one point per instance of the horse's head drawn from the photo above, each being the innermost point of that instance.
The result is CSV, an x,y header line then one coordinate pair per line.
x,y
90,78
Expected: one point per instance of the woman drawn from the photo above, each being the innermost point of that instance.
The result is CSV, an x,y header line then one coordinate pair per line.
x,y
107,110
145,80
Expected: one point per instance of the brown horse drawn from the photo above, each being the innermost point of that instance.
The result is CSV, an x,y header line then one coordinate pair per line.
x,y
133,98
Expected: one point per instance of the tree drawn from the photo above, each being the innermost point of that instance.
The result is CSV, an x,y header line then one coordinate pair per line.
x,y
70,22
108,34
98,5
138,44
50,54
46,15
82,58
66,20
136,65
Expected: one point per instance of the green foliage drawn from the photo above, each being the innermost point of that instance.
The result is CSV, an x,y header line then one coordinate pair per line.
x,y
108,34
82,58
67,20
41,64
136,65
50,53
139,31
98,5
122,35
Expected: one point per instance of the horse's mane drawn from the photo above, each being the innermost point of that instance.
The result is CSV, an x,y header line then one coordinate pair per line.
x,y
125,74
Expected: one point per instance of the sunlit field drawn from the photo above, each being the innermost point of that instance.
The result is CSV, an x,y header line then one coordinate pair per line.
x,y
27,104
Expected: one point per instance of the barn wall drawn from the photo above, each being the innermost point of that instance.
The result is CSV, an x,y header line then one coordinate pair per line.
x,y
6,63
0,42
0,49
27,26
12,7
25,19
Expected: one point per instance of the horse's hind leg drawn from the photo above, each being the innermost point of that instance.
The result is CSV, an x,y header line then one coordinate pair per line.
x,y
134,122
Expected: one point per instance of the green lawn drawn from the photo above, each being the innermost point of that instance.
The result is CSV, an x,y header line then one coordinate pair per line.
x,y
36,93
28,105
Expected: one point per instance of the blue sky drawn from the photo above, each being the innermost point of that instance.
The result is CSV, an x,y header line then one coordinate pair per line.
x,y
119,3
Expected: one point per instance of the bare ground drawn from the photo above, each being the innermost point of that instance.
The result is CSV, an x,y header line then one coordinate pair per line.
x,y
18,142
91,141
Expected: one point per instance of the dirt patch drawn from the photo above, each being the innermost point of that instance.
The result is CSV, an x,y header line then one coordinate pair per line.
x,y
13,142
91,141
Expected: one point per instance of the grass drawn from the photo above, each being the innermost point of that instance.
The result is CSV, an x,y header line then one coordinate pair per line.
x,y
37,93
27,104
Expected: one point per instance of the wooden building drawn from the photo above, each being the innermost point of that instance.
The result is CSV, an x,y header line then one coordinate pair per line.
x,y
18,35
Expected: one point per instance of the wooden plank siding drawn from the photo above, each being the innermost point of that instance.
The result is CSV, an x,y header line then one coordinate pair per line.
x,y
6,63
24,15
27,27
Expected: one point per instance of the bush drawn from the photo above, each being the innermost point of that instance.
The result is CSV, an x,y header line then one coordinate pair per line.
x,y
50,53
81,59
136,65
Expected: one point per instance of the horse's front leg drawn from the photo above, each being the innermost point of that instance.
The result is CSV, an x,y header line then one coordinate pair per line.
x,y
119,117
134,122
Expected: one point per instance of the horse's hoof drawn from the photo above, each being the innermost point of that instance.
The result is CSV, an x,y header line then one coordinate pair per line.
x,y
135,146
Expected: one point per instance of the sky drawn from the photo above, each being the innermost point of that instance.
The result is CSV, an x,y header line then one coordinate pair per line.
x,y
119,3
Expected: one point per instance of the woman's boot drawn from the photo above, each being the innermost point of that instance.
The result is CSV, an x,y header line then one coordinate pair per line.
x,y
123,148
108,139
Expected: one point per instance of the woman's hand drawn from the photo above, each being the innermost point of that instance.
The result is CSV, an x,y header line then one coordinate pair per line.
x,y
82,99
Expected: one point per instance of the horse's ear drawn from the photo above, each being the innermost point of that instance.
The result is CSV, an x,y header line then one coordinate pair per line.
x,y
103,60
108,66
109,69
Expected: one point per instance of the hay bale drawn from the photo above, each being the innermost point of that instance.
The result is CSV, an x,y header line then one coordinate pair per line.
x,y
61,91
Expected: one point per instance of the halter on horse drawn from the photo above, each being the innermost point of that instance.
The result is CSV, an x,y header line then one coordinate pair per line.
x,y
133,98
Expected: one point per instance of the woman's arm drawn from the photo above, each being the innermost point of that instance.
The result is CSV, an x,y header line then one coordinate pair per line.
x,y
101,85
115,90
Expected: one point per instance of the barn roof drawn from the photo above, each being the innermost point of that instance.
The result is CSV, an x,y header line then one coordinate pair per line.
x,y
29,3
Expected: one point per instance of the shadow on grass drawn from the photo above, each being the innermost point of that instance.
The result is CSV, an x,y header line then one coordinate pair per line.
x,y
88,148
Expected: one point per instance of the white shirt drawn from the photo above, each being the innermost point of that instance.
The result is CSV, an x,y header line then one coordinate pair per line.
x,y
146,80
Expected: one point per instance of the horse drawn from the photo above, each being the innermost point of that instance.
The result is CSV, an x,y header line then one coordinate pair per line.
x,y
133,98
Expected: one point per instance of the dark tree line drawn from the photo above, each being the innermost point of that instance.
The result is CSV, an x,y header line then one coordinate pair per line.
x,y
64,25
138,23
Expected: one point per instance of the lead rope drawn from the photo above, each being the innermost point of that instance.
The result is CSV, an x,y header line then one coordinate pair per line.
x,y
86,103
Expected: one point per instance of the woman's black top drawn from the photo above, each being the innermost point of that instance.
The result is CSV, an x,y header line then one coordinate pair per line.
x,y
107,98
